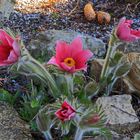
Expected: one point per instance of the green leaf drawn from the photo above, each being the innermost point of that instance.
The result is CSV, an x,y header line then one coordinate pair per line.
x,y
33,125
106,133
8,97
45,119
62,84
137,137
91,88
123,69
115,60
34,103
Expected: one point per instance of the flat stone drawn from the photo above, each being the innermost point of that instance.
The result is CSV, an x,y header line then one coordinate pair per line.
x,y
43,46
115,136
121,117
11,126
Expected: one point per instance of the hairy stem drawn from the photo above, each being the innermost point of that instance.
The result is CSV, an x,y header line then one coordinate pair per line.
x,y
28,65
47,135
79,134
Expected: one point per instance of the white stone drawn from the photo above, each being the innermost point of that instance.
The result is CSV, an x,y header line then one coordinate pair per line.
x,y
121,117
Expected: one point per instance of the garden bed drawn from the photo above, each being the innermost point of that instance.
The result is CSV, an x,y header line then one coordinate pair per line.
x,y
31,22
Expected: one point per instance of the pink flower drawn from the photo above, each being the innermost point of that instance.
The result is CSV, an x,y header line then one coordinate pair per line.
x,y
71,57
125,32
9,49
66,112
94,119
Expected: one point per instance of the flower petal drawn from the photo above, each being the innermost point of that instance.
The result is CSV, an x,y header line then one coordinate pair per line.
x,y
62,51
3,64
136,33
12,57
16,48
84,68
124,34
82,58
124,31
5,38
67,68
76,46
65,104
121,22
52,61
4,52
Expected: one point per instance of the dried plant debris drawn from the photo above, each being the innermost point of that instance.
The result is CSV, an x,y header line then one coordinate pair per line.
x,y
89,12
37,6
103,17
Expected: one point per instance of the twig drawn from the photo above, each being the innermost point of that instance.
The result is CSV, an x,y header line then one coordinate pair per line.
x,y
128,8
77,4
136,6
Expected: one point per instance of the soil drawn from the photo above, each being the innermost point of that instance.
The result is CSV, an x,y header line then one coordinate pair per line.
x,y
30,22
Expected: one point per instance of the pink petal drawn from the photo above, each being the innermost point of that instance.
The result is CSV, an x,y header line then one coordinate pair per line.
x,y
84,68
4,52
129,22
58,114
71,116
124,33
5,38
82,58
62,51
136,33
52,61
65,104
16,48
12,57
121,22
4,64
67,68
76,46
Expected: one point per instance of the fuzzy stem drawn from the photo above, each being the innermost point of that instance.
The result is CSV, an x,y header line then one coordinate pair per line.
x,y
113,43
69,79
47,135
79,134
28,65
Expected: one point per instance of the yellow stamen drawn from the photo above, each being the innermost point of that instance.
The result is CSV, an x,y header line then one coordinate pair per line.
x,y
69,62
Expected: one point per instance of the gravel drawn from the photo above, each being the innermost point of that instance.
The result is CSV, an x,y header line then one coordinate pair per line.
x,y
29,24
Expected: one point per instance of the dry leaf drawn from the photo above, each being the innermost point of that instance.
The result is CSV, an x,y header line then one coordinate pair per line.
x,y
89,12
103,17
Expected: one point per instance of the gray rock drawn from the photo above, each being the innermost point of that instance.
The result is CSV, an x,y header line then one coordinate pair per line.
x,y
11,126
121,117
115,136
7,7
43,46
130,47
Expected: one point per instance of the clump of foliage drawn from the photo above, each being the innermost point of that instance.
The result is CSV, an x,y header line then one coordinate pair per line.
x,y
71,107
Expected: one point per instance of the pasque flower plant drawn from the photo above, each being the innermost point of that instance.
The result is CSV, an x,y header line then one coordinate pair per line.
x,y
124,31
66,112
9,49
71,57
71,104
13,52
